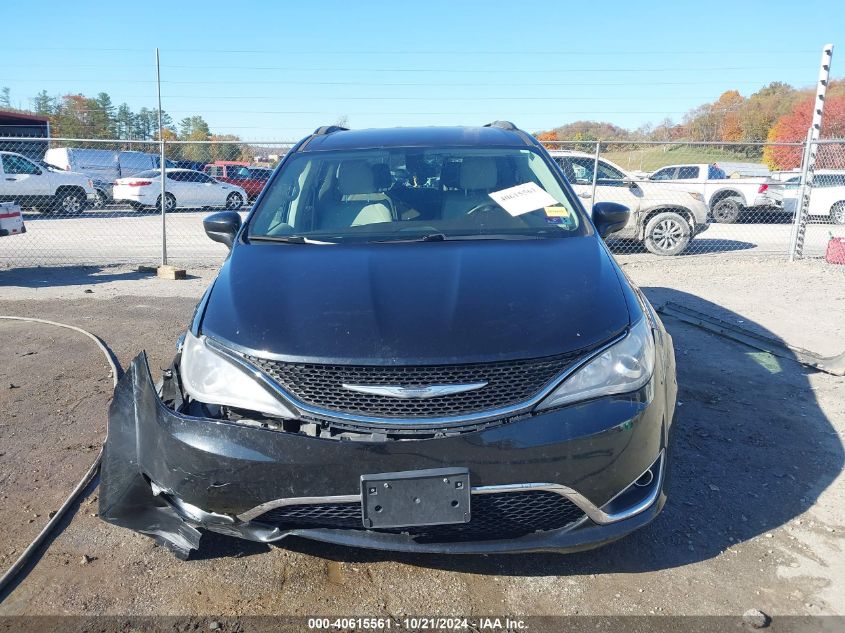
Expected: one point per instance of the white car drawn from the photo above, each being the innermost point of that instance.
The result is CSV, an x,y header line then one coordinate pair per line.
x,y
42,188
183,188
664,219
827,198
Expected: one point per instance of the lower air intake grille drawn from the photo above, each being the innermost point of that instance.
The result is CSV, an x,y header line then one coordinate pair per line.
x,y
493,516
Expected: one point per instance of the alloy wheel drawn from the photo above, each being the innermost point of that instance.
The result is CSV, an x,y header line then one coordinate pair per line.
x,y
234,201
71,203
667,234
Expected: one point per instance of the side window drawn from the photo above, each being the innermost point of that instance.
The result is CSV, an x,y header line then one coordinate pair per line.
x,y
212,170
716,173
200,177
830,180
609,173
667,173
687,172
583,168
18,165
178,176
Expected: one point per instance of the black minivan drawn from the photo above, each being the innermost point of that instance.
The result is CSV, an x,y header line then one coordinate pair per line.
x,y
418,342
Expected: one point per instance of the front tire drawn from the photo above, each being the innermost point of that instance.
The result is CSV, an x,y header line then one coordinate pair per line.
x,y
234,201
70,202
667,233
727,211
169,203
837,213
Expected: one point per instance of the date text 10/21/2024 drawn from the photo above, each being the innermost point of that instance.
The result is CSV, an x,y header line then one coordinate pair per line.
x,y
417,624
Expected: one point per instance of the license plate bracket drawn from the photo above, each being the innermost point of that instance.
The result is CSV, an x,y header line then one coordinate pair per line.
x,y
436,496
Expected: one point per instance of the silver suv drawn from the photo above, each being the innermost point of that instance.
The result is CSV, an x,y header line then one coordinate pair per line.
x,y
664,219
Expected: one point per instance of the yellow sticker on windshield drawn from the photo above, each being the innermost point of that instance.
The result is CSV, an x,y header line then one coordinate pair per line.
x,y
557,212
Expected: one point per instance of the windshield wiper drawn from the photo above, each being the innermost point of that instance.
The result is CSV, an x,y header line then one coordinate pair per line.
x,y
430,237
287,239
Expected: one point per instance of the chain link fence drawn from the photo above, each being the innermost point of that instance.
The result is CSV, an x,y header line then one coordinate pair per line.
x,y
98,201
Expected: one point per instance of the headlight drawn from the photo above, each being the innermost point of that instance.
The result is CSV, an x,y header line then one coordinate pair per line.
x,y
621,368
696,195
209,377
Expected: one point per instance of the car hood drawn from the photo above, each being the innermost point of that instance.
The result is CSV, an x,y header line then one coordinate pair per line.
x,y
421,302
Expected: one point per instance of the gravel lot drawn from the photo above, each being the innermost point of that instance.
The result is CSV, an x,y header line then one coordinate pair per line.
x,y
755,517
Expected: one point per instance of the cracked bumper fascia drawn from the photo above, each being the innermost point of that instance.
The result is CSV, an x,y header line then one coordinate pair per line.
x,y
157,480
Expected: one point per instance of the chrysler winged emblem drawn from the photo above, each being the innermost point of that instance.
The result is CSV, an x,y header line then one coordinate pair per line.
x,y
430,391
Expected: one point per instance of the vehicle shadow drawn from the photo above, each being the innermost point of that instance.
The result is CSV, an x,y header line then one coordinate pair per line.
x,y
699,246
752,451
51,277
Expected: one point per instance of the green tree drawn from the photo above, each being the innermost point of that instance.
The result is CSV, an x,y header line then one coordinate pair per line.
x,y
195,129
102,116
44,104
124,121
146,122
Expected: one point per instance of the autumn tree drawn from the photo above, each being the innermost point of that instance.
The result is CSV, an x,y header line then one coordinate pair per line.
x,y
727,110
763,108
792,128
547,136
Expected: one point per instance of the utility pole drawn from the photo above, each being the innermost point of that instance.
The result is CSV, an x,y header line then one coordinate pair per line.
x,y
164,271
799,227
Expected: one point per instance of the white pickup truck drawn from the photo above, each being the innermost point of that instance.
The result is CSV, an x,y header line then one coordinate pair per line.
x,y
44,188
726,197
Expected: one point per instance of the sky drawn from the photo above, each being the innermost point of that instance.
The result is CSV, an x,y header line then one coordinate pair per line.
x,y
274,70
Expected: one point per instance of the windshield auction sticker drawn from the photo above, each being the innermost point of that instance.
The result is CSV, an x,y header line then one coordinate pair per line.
x,y
522,198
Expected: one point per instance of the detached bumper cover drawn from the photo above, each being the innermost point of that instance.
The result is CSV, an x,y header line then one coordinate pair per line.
x,y
167,475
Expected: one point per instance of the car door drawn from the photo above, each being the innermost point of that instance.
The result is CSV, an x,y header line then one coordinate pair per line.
x,y
611,185
828,189
23,180
184,193
210,192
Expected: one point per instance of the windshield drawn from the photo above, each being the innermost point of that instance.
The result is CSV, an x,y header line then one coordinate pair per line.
x,y
407,194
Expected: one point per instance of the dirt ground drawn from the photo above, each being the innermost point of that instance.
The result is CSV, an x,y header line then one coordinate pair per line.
x,y
755,517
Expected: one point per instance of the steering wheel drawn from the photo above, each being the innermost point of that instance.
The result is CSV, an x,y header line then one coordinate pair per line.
x,y
485,207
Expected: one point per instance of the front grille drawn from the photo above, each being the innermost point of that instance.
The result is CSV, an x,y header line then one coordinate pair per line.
x,y
493,516
508,383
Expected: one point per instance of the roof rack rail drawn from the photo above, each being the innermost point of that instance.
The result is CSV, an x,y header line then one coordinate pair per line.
x,y
505,125
328,129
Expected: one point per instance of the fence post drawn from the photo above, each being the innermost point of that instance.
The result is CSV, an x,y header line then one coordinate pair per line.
x,y
162,168
595,176
796,235
796,250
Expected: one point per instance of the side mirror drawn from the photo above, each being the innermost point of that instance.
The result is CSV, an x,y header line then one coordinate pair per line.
x,y
222,227
610,217
629,180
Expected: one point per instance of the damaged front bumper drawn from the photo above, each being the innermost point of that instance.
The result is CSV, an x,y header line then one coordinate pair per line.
x,y
169,475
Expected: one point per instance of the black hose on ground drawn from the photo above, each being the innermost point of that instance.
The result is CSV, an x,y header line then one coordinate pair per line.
x,y
36,544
